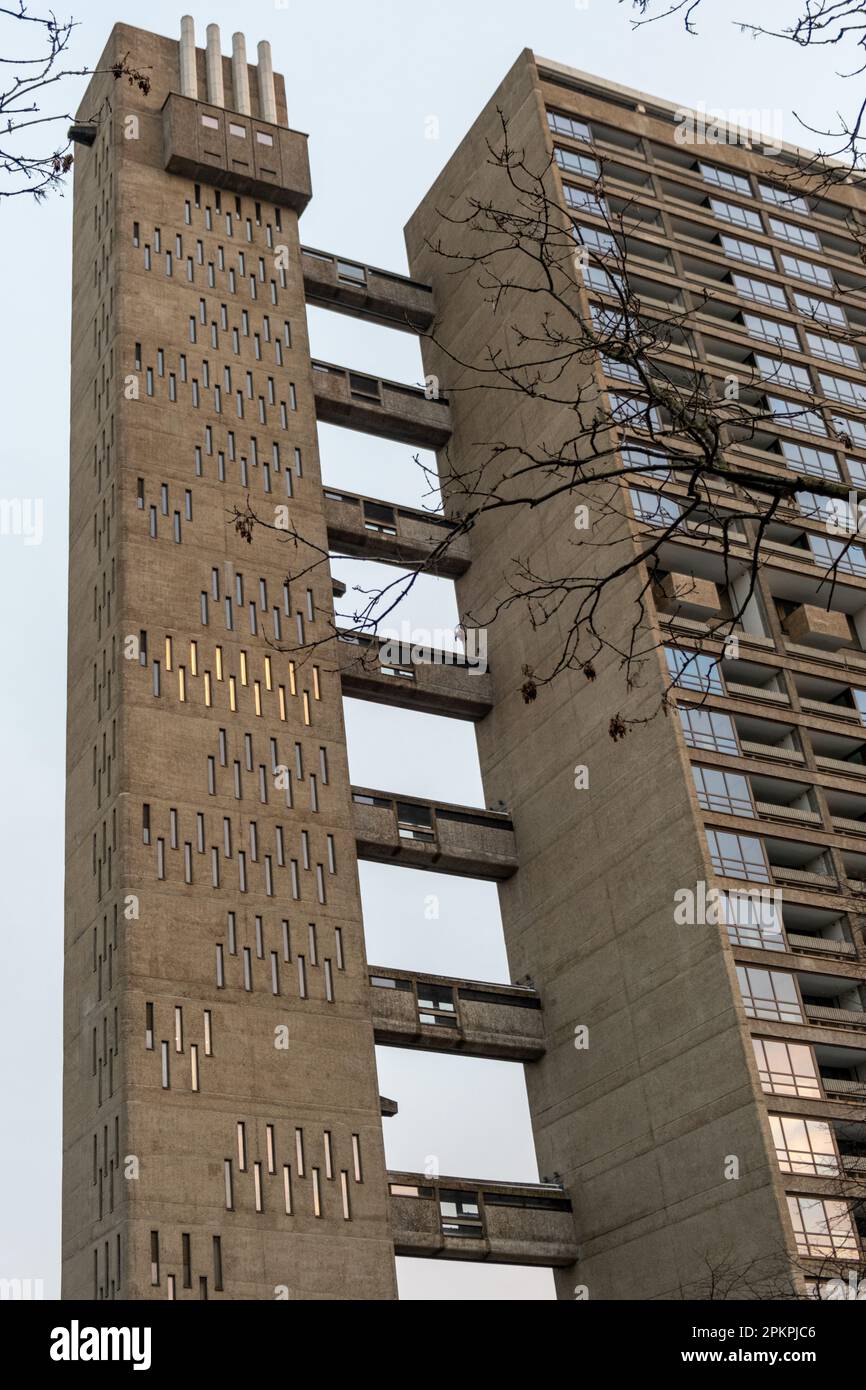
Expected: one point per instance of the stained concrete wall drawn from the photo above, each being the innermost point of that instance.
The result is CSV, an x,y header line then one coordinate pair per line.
x,y
641,1122
165,1161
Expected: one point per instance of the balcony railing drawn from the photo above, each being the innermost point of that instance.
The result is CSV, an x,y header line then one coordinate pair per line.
x,y
772,751
442,686
504,1223
395,535
433,835
785,873
769,810
821,945
836,1018
439,1014
831,711
754,692
351,287
389,409
840,1088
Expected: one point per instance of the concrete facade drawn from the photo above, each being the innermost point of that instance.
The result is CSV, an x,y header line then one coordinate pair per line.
x,y
222,1118
226,795
645,1119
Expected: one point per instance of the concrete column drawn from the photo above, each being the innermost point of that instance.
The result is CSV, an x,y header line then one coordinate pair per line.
x,y
240,78
267,94
215,94
188,75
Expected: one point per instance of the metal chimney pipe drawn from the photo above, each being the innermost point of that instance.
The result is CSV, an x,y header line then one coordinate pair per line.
x,y
215,94
188,75
267,94
240,76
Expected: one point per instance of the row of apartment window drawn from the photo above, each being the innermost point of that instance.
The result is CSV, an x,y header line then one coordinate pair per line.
x,y
211,681
713,731
186,1266
196,203
110,1284
606,246
207,1029
777,370
233,275
269,865
262,402
814,309
183,365
301,964
276,764
715,176
843,556
274,464
811,309
310,937
271,1167
781,335
228,842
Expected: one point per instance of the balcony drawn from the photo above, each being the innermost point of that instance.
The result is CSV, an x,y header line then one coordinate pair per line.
x,y
503,1223
811,626
839,753
688,596
387,409
225,149
350,287
819,932
801,865
836,700
431,835
832,1001
787,801
438,1014
440,686
395,535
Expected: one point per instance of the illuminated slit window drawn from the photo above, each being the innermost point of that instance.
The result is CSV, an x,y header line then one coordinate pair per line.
x,y
242,1146
317,1192
272,1164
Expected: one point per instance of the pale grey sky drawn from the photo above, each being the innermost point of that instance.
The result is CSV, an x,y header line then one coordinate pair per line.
x,y
362,80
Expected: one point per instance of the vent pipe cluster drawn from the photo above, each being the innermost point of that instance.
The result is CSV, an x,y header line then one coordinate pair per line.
x,y
214,68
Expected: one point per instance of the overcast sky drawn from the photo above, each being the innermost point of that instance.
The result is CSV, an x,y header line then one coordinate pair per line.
x,y
362,79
